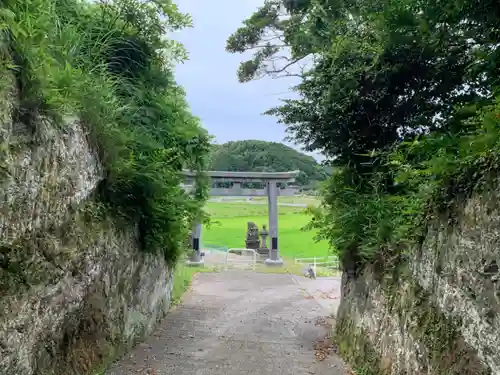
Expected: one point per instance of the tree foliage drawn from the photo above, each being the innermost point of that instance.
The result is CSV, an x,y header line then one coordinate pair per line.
x,y
261,156
400,95
110,64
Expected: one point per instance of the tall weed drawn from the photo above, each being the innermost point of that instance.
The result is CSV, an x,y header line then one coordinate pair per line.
x,y
109,64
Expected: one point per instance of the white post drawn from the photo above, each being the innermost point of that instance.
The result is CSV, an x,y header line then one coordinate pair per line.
x,y
272,199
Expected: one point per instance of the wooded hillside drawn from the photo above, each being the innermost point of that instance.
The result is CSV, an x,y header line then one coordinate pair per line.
x,y
254,155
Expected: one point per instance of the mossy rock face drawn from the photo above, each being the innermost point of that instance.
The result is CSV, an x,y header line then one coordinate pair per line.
x,y
389,325
44,177
448,352
442,301
78,295
356,348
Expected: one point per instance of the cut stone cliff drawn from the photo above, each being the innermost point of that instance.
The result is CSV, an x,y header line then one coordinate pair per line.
x,y
438,312
75,290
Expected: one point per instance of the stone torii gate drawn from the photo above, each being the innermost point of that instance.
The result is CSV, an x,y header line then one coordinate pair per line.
x,y
270,184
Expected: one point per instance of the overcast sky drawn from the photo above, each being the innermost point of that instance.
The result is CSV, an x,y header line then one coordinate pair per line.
x,y
228,109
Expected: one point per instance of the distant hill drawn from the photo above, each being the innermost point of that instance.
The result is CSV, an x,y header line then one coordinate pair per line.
x,y
262,156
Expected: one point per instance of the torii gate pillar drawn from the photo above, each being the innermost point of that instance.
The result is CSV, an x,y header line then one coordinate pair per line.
x,y
196,258
271,180
272,200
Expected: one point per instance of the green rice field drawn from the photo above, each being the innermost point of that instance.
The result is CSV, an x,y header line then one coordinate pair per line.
x,y
229,225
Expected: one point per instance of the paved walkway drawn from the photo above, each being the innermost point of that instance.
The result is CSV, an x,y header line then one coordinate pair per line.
x,y
235,323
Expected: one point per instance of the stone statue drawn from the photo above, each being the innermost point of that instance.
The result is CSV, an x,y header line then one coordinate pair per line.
x,y
252,239
311,272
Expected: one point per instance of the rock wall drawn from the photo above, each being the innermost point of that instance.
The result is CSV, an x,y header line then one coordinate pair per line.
x,y
75,291
438,312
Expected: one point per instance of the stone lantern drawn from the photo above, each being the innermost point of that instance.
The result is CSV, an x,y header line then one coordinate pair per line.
x,y
264,250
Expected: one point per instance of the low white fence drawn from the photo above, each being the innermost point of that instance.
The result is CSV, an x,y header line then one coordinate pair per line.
x,y
329,262
243,260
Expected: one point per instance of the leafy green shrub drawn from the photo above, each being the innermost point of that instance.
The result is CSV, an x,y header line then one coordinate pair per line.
x,y
362,222
402,106
371,221
447,167
109,64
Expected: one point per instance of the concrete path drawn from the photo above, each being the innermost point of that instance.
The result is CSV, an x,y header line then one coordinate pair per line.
x,y
236,323
324,290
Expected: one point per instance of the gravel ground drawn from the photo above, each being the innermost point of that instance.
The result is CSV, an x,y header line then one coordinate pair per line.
x,y
240,322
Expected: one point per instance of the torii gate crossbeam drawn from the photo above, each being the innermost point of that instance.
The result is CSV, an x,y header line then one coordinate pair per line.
x,y
270,182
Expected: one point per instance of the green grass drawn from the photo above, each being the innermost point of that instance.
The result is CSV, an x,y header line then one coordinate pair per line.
x,y
242,209
230,224
298,199
183,277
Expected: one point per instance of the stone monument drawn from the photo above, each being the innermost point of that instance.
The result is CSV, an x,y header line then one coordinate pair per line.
x,y
263,249
252,238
